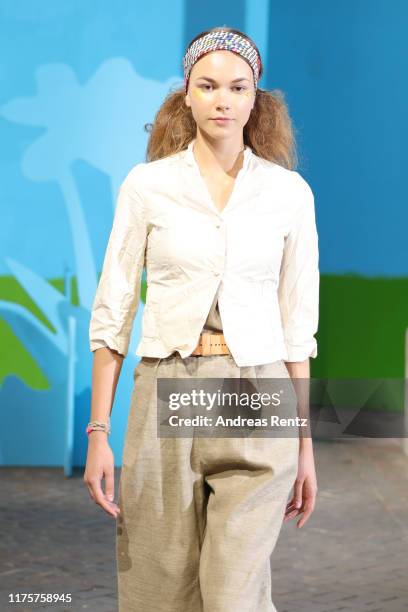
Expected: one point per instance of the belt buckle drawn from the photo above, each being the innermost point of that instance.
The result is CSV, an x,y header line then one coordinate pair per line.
x,y
206,344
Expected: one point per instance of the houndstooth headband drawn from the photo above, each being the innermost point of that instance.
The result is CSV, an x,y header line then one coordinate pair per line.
x,y
221,40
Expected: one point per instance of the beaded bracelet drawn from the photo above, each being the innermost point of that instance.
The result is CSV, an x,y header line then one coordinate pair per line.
x,y
98,426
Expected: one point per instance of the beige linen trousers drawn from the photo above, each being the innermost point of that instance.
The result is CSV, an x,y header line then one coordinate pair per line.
x,y
200,517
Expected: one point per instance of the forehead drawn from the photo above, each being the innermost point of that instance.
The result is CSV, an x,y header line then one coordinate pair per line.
x,y
215,63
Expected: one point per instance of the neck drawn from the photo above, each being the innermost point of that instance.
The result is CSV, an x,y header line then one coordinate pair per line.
x,y
215,155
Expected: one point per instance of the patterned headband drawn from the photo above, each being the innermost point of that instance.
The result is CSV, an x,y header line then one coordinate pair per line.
x,y
221,39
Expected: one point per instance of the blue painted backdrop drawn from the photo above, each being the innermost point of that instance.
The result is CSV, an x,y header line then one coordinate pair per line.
x,y
79,81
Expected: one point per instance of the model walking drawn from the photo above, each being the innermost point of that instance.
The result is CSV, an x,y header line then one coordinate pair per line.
x,y
226,230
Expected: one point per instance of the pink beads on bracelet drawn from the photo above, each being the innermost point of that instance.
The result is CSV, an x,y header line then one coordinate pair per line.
x,y
98,426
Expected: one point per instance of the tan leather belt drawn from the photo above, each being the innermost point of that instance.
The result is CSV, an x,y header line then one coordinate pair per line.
x,y
211,344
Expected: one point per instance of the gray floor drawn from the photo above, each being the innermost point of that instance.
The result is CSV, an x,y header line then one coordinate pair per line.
x,y
352,554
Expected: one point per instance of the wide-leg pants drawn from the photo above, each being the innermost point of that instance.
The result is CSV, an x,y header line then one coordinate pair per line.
x,y
200,516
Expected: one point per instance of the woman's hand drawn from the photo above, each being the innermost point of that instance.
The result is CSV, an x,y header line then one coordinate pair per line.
x,y
99,465
305,487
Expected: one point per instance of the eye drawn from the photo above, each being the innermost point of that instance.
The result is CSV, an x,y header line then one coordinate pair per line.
x,y
204,85
240,87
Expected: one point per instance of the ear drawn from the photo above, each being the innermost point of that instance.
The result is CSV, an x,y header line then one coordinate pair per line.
x,y
187,100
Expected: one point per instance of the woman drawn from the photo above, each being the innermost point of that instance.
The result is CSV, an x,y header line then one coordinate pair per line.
x,y
226,230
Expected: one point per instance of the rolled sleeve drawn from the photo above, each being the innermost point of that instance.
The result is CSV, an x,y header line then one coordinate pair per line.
x,y
298,289
118,293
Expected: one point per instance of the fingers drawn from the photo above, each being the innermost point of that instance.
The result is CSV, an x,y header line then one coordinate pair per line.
x,y
291,512
109,506
96,493
110,491
297,493
109,486
302,502
308,509
293,508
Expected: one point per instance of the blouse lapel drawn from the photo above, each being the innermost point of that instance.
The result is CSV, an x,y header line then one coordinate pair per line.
x,y
248,183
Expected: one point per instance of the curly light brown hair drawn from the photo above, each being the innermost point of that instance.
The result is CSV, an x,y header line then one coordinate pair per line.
x,y
269,131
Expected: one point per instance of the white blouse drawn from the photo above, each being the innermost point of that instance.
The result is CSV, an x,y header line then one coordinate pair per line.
x,y
260,252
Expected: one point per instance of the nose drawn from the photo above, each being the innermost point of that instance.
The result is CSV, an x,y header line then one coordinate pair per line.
x,y
223,101
223,104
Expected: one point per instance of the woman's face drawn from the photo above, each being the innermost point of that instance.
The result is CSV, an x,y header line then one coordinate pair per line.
x,y
221,84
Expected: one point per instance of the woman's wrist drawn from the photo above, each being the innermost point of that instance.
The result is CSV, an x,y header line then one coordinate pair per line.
x,y
305,443
98,435
99,426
